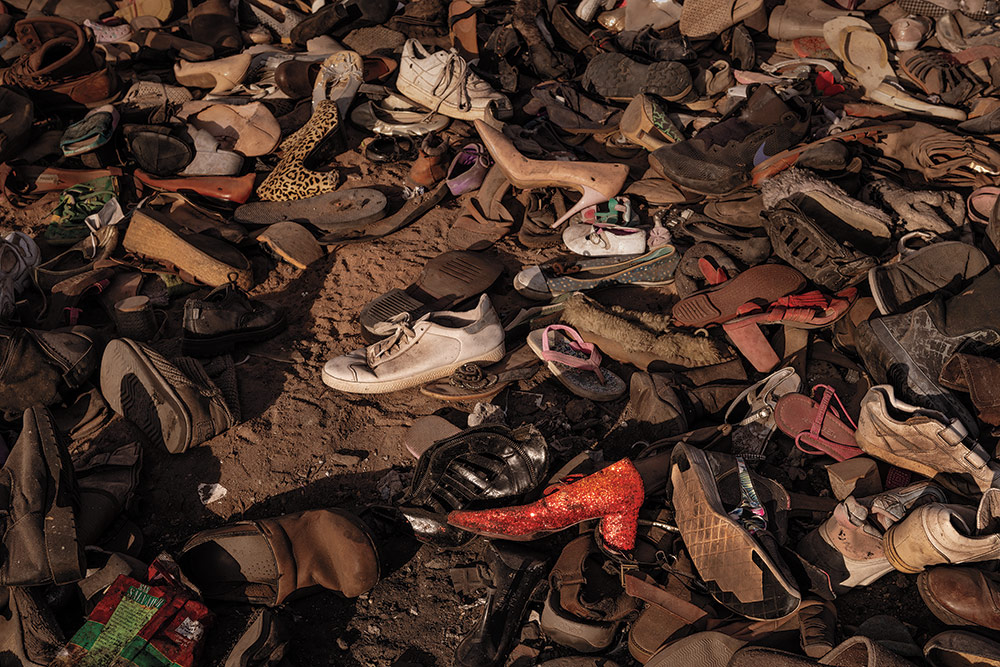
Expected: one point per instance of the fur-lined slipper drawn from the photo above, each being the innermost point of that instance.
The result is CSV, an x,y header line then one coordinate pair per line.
x,y
575,363
645,340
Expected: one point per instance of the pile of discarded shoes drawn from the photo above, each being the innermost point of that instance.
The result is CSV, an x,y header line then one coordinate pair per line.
x,y
763,238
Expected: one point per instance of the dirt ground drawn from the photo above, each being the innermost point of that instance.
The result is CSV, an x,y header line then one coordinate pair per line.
x,y
302,445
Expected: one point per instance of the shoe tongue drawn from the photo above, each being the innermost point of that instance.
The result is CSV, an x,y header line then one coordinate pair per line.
x,y
764,107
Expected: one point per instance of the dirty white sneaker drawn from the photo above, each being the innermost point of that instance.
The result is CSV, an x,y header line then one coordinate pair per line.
x,y
418,352
443,82
604,240
19,254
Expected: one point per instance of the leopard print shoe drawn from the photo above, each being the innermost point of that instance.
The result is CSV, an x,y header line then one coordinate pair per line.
x,y
312,146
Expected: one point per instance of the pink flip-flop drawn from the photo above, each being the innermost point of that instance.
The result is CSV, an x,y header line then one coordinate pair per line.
x,y
575,363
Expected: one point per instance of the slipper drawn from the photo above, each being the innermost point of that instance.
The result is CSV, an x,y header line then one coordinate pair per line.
x,y
329,212
338,79
545,281
575,363
292,243
474,382
397,115
764,283
446,281
92,132
817,427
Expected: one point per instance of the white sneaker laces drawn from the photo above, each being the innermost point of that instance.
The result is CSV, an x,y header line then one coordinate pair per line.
x,y
454,76
397,330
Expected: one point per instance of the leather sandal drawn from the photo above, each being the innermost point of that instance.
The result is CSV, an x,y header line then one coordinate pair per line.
x,y
818,428
475,382
721,303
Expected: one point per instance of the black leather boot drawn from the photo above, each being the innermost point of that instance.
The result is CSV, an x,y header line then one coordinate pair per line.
x,y
516,572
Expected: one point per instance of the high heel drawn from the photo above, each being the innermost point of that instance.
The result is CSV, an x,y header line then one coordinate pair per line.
x,y
597,182
613,495
220,75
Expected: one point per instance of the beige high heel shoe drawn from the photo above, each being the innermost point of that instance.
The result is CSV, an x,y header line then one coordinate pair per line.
x,y
598,182
220,75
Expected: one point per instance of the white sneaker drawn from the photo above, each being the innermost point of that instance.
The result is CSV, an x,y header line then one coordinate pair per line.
x,y
415,353
443,82
604,240
19,254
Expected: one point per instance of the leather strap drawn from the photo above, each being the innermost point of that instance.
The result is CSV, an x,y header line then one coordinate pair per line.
x,y
65,563
642,586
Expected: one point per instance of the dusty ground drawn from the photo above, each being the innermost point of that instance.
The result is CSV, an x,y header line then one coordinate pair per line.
x,y
302,445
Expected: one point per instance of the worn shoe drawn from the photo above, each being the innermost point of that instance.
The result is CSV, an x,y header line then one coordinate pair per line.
x,y
919,274
224,318
940,534
909,350
177,405
413,353
19,256
443,82
615,76
719,159
265,562
601,240
545,281
962,595
848,545
924,441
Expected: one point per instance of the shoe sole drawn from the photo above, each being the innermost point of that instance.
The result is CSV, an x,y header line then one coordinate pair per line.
x,y
426,100
388,386
721,550
136,390
719,304
892,554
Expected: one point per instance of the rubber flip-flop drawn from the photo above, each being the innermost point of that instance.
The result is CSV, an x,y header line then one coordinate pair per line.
x,y
763,284
575,363
816,427
330,212
447,280
476,382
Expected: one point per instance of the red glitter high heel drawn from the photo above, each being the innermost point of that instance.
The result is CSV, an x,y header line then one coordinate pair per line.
x,y
613,495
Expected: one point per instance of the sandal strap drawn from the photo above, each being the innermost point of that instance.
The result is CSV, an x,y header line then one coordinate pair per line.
x,y
576,342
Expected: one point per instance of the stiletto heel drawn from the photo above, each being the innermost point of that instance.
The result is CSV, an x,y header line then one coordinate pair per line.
x,y
613,495
597,182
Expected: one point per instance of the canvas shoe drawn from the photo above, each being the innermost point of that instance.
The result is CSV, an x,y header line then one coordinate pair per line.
x,y
413,353
604,240
19,255
443,82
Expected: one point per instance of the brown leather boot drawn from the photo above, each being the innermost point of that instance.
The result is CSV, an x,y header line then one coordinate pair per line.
x,y
431,166
265,562
61,64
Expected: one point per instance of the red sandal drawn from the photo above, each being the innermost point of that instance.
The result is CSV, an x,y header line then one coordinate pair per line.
x,y
817,427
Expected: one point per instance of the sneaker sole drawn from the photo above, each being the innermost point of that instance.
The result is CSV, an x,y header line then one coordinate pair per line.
x,y
429,101
388,386
136,390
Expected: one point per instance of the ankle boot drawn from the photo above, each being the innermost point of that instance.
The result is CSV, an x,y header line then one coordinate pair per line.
x,y
909,350
613,495
431,165
516,572
265,562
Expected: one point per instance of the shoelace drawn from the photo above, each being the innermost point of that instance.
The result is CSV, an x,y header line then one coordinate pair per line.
x,y
453,77
397,330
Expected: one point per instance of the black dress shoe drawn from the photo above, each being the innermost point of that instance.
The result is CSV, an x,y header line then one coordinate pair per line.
x,y
215,324
517,570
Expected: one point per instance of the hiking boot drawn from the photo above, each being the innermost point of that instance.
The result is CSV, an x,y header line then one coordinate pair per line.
x,y
216,324
412,353
265,562
919,274
939,534
909,350
19,255
923,441
962,595
38,367
61,64
719,159
177,405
